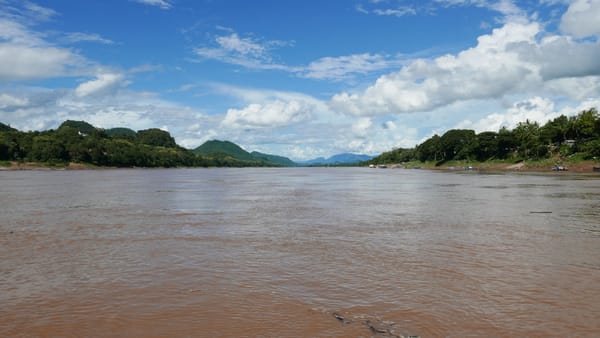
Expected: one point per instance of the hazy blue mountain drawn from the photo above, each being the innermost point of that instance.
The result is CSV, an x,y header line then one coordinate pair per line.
x,y
318,160
345,158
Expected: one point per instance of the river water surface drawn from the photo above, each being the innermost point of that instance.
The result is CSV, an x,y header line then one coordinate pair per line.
x,y
307,252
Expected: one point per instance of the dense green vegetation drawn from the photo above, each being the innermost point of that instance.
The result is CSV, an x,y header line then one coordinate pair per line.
x,y
279,160
5,128
121,133
80,142
562,137
226,151
576,137
223,148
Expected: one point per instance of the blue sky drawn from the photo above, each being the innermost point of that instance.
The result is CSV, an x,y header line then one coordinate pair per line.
x,y
298,78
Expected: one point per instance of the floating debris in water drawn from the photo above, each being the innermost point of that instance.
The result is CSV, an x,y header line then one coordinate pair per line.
x,y
341,318
378,327
540,212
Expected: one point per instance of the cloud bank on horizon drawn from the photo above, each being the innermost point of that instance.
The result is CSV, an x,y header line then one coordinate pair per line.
x,y
302,79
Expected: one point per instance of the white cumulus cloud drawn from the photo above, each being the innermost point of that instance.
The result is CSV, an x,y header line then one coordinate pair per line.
x,y
562,57
361,126
582,19
538,109
270,114
7,101
534,109
21,62
25,55
513,59
101,84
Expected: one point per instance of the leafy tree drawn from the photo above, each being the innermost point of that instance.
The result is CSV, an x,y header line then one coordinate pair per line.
x,y
46,148
120,153
5,149
555,131
487,145
454,144
398,155
527,137
591,149
430,150
507,143
72,140
585,124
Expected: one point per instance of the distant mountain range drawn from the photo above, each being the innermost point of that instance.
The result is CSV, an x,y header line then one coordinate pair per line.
x,y
81,142
226,148
344,158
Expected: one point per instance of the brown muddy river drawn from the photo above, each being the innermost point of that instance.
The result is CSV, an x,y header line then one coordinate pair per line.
x,y
307,252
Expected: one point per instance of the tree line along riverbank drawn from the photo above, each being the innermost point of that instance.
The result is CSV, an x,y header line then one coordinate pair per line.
x,y
77,144
564,141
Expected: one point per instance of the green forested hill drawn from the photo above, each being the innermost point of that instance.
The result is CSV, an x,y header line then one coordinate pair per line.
x,y
156,137
5,128
121,133
279,160
79,126
227,149
80,142
216,147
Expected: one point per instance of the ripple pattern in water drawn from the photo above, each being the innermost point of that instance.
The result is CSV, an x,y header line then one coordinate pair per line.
x,y
278,252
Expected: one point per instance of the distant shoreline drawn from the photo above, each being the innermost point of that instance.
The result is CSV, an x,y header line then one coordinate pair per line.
x,y
580,167
16,166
